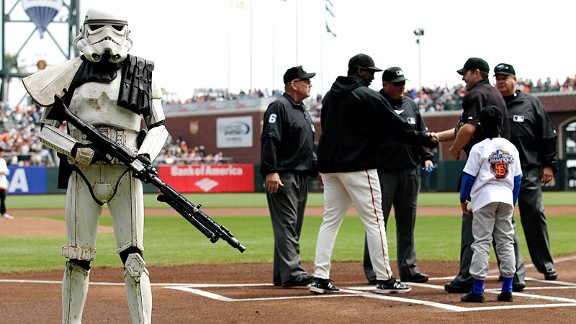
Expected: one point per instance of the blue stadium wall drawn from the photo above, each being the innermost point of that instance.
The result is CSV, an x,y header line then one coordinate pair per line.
x,y
43,180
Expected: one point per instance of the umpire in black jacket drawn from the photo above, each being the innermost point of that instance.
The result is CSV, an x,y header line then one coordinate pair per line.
x,y
480,93
287,160
535,138
399,179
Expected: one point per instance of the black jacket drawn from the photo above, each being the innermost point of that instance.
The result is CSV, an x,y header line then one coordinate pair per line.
x,y
531,131
481,95
354,119
287,140
398,155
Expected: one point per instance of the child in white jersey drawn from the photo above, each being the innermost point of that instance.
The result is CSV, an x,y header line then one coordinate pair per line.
x,y
490,187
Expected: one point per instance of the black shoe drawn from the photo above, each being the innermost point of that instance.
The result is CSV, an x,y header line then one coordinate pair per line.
x,y
321,286
458,287
472,298
301,280
419,277
518,286
551,275
391,286
373,282
505,297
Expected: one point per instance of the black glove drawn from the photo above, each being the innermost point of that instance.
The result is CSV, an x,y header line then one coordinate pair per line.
x,y
87,154
148,171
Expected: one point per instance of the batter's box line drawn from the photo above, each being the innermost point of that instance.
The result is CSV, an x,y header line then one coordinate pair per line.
x,y
218,297
559,300
364,291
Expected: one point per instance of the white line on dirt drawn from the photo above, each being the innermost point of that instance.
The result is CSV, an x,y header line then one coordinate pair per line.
x,y
360,291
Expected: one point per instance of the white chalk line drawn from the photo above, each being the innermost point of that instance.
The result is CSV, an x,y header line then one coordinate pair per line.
x,y
358,291
364,291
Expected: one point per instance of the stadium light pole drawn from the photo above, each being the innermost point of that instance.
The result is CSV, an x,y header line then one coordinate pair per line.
x,y
419,32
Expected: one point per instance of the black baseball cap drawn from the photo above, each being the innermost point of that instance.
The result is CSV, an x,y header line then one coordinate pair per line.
x,y
474,63
362,61
504,68
393,74
297,72
491,120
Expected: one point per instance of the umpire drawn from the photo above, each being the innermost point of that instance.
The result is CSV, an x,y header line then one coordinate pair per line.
x,y
287,159
480,93
399,179
536,140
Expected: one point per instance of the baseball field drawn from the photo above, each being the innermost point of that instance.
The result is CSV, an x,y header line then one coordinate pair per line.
x,y
197,281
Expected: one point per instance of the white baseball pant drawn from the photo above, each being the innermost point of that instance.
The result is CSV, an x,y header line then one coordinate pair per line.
x,y
341,190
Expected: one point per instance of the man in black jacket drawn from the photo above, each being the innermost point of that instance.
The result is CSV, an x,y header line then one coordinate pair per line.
x,y
399,179
480,94
354,121
287,160
535,138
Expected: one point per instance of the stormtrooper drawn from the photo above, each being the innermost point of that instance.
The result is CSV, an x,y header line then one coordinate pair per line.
x,y
113,91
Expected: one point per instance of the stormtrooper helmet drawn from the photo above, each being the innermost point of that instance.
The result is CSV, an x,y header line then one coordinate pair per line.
x,y
104,36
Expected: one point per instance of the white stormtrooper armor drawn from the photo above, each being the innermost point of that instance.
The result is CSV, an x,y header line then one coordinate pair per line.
x,y
103,40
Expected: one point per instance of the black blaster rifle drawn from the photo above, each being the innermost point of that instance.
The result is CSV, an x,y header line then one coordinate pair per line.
x,y
142,168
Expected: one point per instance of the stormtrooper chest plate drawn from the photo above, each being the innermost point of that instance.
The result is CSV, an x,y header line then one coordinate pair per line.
x,y
95,103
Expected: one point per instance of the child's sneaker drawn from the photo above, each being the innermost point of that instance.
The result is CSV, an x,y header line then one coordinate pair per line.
x,y
505,297
472,298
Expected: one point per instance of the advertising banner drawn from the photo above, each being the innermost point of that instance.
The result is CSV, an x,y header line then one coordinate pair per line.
x,y
208,177
27,180
234,132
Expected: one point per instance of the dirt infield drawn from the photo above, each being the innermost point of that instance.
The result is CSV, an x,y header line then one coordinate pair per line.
x,y
243,293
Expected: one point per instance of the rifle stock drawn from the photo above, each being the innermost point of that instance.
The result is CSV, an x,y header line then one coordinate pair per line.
x,y
143,170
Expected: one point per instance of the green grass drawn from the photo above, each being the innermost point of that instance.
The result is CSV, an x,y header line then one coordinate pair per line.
x,y
171,240
562,198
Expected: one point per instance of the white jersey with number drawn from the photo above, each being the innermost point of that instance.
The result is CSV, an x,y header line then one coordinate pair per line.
x,y
494,162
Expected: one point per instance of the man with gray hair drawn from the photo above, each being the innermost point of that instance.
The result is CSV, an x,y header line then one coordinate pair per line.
x,y
287,160
534,136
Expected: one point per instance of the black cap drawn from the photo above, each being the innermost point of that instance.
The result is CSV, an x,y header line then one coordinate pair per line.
x,y
363,61
491,120
297,72
474,63
393,74
504,68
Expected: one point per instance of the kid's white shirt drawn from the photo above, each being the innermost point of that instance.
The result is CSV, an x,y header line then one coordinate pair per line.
x,y
494,162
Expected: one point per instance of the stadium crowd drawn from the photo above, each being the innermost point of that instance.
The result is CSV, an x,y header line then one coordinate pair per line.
x,y
20,125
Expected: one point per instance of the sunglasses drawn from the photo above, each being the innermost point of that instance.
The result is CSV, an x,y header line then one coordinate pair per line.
x,y
307,81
